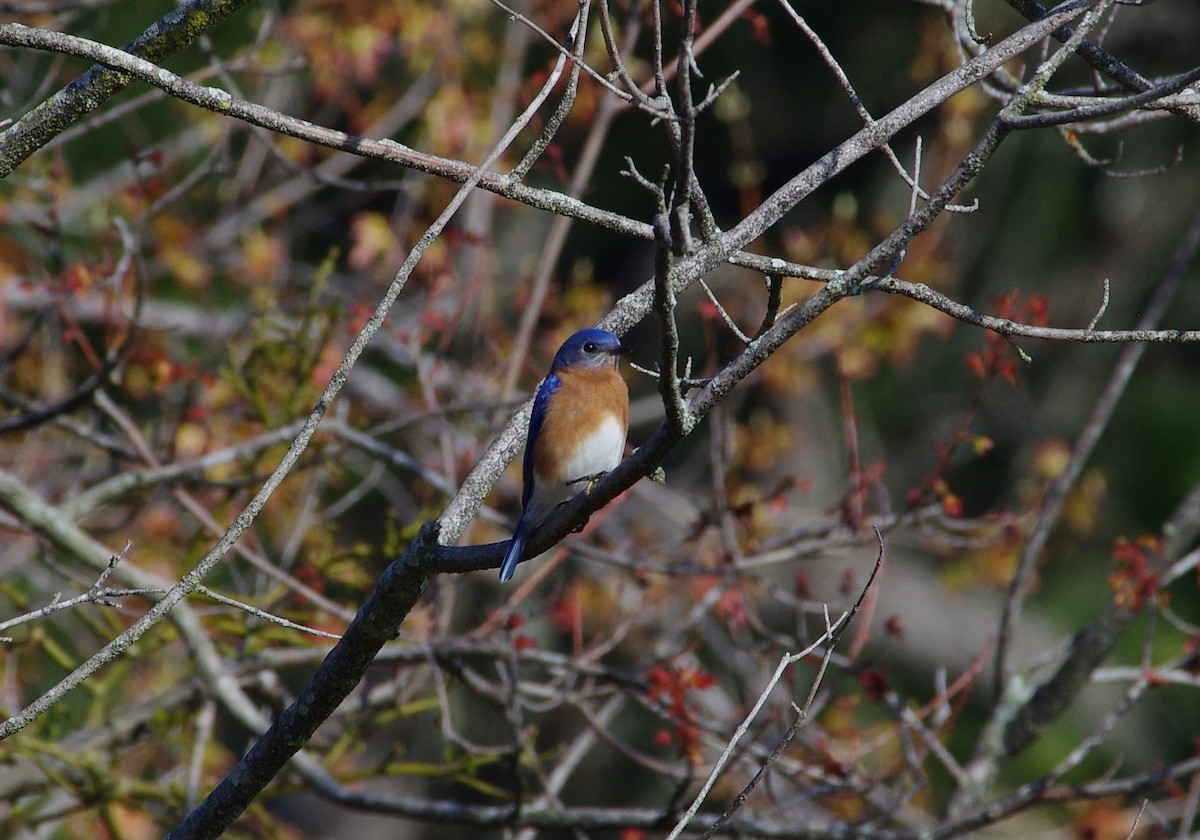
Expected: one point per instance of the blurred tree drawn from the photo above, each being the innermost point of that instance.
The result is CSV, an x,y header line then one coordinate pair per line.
x,y
924,558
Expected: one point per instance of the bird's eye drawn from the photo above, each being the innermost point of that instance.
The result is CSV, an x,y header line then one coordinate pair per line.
x,y
589,347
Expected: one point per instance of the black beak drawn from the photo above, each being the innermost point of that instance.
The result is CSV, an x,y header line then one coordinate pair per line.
x,y
623,349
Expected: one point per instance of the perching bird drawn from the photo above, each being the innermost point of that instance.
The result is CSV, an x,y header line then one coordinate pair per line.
x,y
576,431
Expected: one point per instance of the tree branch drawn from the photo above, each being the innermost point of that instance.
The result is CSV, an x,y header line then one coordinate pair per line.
x,y
166,36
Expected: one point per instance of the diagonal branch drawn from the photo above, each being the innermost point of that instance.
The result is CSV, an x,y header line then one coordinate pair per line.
x,y
1100,59
398,589
1056,494
632,308
165,37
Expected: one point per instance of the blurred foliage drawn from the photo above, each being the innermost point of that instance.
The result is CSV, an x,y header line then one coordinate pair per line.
x,y
231,268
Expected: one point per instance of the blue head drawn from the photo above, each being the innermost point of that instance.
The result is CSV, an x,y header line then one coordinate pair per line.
x,y
589,348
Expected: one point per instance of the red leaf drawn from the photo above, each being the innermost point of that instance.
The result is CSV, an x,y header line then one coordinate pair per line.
x,y
874,683
952,505
975,363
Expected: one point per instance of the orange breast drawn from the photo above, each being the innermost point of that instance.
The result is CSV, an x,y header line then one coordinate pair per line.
x,y
573,435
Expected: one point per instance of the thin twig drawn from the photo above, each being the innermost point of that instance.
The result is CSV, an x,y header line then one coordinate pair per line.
x,y
1056,494
832,634
1099,312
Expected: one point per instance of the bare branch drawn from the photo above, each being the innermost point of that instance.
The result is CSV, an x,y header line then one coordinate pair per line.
x,y
164,37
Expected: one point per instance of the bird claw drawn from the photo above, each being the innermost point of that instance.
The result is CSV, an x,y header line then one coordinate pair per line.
x,y
591,480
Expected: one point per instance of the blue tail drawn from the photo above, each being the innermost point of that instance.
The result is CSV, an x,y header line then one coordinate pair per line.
x,y
516,547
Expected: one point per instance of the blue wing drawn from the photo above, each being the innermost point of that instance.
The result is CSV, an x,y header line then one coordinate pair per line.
x,y
537,419
516,546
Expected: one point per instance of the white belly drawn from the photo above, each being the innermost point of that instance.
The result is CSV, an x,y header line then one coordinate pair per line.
x,y
598,453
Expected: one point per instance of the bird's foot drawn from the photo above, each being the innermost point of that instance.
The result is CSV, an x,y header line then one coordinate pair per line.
x,y
590,479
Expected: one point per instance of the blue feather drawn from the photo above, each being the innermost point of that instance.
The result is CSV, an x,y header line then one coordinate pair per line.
x,y
537,419
516,547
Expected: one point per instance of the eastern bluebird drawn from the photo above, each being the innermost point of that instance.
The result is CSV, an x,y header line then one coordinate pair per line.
x,y
576,431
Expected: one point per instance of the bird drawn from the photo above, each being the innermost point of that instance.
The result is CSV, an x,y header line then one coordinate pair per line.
x,y
576,431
